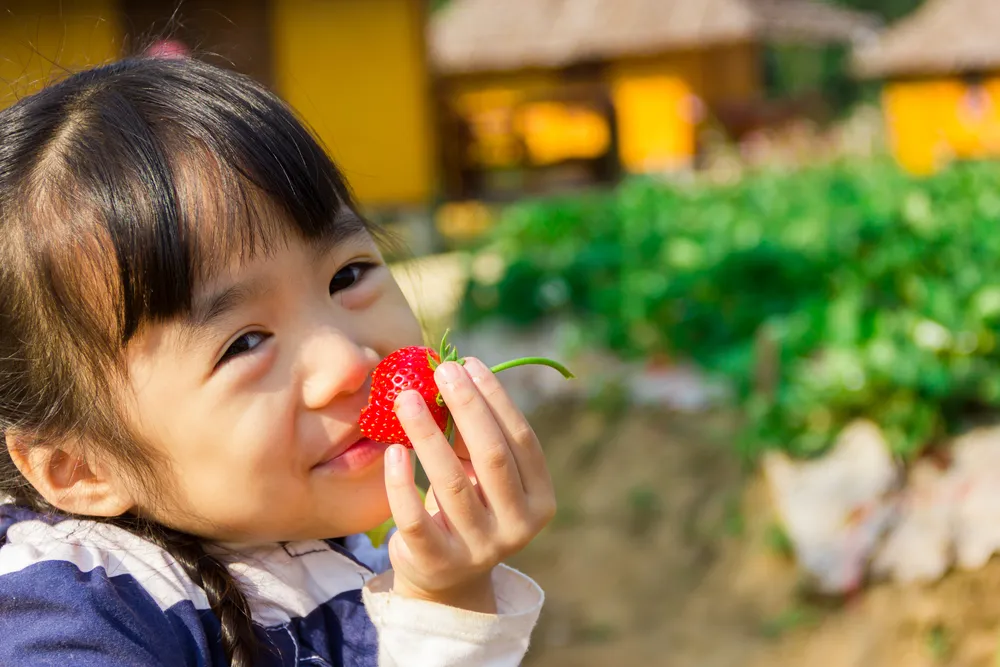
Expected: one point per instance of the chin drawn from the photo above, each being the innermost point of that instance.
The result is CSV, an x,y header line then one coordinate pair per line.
x,y
375,517
365,508
378,521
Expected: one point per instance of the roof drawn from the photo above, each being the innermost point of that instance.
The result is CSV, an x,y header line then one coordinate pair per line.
x,y
472,36
942,37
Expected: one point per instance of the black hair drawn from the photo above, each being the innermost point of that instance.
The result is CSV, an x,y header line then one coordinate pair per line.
x,y
106,180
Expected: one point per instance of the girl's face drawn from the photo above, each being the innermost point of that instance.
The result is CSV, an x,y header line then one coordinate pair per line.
x,y
254,398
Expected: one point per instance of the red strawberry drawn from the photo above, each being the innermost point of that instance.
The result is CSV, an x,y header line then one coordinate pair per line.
x,y
413,368
408,368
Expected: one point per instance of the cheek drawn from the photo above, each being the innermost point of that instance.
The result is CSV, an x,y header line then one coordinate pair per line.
x,y
230,466
398,321
384,321
219,445
244,436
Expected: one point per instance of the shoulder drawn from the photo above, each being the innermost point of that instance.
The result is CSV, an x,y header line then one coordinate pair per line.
x,y
80,587
37,547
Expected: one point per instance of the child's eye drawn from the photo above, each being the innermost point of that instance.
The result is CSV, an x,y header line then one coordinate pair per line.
x,y
349,276
244,343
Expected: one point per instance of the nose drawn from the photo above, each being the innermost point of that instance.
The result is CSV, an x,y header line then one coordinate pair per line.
x,y
334,366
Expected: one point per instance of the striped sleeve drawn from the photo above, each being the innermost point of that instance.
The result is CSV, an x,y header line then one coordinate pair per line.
x,y
110,600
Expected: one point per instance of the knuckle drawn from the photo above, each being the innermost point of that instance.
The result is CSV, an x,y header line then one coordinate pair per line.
x,y
397,484
517,539
418,427
487,556
546,509
423,431
462,395
496,458
522,433
456,483
424,435
416,528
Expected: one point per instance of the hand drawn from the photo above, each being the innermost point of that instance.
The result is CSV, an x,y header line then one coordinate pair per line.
x,y
490,495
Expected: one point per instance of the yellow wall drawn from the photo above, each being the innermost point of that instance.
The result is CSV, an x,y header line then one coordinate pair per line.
x,y
931,122
40,38
655,102
554,132
655,98
356,71
655,122
488,102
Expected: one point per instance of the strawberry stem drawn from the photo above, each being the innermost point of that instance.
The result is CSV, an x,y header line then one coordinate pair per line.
x,y
538,361
449,352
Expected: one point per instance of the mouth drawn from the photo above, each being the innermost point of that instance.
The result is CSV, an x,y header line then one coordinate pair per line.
x,y
359,454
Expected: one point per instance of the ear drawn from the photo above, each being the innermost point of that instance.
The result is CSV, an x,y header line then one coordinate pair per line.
x,y
67,479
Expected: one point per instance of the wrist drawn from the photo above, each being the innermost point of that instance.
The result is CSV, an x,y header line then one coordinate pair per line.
x,y
477,595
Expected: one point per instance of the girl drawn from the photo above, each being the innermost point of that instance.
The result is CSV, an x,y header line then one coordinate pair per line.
x,y
191,308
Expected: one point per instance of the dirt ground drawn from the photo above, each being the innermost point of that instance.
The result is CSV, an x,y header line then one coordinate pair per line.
x,y
665,553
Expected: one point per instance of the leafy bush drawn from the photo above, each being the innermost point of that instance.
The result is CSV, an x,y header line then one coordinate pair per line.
x,y
877,294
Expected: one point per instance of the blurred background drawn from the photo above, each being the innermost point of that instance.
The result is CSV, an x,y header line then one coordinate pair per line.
x,y
764,233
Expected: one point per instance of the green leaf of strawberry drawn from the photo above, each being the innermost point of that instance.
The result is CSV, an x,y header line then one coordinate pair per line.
x,y
413,368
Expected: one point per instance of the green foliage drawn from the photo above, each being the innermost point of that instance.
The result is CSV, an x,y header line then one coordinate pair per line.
x,y
793,70
889,10
643,510
797,617
940,644
858,290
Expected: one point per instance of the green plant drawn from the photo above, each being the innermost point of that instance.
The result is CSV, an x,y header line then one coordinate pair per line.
x,y
797,617
940,644
778,542
845,291
644,509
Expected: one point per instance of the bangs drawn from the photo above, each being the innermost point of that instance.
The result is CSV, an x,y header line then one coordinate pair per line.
x,y
163,172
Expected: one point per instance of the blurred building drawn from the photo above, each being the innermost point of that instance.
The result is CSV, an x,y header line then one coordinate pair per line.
x,y
356,70
941,98
542,93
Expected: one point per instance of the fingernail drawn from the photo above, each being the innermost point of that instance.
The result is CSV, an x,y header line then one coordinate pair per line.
x,y
409,404
476,369
448,373
395,454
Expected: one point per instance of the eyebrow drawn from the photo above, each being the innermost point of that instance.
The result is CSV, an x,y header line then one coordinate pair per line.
x,y
205,311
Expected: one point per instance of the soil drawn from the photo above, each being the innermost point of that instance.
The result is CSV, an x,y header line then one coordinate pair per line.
x,y
665,553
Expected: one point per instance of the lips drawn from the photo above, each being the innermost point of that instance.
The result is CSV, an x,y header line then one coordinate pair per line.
x,y
351,451
356,458
339,449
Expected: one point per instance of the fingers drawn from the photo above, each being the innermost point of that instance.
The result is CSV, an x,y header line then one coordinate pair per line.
x,y
457,499
483,438
431,503
478,525
417,528
523,443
